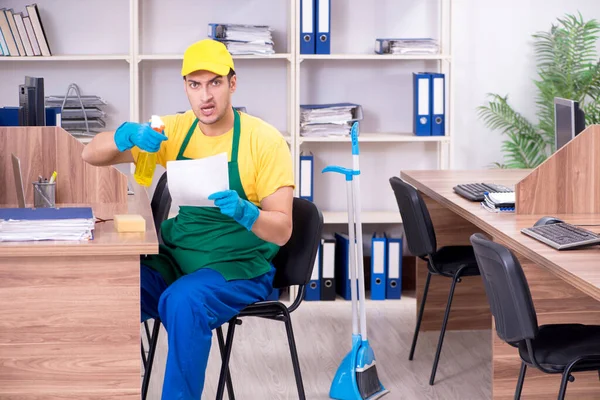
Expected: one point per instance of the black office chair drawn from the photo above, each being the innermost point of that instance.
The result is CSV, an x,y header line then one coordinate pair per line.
x,y
160,205
451,262
553,349
293,264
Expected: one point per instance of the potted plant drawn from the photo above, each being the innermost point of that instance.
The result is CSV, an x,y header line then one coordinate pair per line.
x,y
568,67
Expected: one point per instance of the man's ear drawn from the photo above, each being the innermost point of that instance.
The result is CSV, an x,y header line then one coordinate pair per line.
x,y
233,83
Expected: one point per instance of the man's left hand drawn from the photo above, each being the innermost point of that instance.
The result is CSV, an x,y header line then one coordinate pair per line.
x,y
230,203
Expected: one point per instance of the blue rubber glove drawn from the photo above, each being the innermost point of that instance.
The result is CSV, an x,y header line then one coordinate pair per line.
x,y
131,134
230,203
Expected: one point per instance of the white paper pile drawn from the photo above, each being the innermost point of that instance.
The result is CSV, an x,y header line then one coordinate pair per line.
x,y
245,39
56,229
499,202
414,46
333,120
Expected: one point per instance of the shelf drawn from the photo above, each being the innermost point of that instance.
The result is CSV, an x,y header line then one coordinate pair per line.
x,y
376,138
373,57
277,56
84,57
367,217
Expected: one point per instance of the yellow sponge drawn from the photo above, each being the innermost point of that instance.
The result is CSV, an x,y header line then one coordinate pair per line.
x,y
130,223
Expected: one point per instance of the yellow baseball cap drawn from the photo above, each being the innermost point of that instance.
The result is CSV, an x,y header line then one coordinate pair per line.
x,y
208,55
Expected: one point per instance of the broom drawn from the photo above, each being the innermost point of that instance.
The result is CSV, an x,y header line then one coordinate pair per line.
x,y
366,370
356,378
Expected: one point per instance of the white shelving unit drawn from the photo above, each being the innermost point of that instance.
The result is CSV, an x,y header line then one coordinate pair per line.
x,y
146,50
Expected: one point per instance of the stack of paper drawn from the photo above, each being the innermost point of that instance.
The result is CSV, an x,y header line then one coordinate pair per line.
x,y
327,119
499,202
243,39
407,46
27,224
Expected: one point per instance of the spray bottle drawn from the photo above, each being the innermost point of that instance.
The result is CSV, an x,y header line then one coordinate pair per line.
x,y
146,162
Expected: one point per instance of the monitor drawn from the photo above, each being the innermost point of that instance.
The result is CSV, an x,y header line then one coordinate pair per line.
x,y
569,121
31,98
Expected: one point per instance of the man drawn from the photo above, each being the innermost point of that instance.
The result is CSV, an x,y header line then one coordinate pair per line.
x,y
215,260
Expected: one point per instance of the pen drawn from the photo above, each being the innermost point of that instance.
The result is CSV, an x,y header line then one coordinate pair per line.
x,y
53,177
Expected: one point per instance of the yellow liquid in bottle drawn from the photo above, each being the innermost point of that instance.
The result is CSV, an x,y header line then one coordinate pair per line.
x,y
146,162
144,168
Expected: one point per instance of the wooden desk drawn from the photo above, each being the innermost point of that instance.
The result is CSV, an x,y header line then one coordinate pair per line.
x,y
70,312
565,285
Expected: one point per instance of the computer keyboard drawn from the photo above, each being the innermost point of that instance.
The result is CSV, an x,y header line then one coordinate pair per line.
x,y
562,236
475,191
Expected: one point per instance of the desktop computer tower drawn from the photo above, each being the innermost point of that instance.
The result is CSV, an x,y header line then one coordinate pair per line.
x,y
31,98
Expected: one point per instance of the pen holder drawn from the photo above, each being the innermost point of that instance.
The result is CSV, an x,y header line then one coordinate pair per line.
x,y
44,194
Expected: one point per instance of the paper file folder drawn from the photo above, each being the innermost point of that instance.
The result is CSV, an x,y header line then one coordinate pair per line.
x,y
378,268
438,104
306,176
323,42
307,27
342,265
394,272
313,290
328,276
422,104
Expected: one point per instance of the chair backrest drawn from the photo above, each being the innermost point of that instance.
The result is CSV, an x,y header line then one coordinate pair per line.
x,y
295,260
418,228
506,289
161,203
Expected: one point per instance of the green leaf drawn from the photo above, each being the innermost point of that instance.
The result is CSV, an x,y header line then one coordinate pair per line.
x,y
567,67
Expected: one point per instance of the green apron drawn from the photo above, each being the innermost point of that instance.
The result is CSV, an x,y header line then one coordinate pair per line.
x,y
203,237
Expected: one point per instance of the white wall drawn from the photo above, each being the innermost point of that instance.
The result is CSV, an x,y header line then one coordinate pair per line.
x,y
493,53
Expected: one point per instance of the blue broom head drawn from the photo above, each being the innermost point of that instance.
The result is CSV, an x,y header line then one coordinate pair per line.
x,y
366,372
344,386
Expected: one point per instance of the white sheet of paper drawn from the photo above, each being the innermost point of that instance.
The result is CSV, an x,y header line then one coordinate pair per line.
x,y
192,181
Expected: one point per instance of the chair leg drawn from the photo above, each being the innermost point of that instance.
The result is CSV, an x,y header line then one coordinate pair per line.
x,y
294,354
144,361
443,331
520,381
153,340
222,350
227,355
420,317
563,383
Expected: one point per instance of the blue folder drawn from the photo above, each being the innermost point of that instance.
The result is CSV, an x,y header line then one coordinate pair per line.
x,y
313,289
306,176
378,267
36,214
394,265
307,26
323,27
438,104
342,265
422,103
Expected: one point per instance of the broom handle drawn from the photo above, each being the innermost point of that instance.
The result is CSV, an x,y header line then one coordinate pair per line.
x,y
352,254
359,242
359,245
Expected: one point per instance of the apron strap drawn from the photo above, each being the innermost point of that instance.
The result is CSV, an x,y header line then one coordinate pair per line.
x,y
234,146
236,136
187,140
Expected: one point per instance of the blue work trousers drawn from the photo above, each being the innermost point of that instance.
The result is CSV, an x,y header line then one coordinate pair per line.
x,y
190,309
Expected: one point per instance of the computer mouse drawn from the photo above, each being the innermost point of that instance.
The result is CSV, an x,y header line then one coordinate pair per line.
x,y
548,221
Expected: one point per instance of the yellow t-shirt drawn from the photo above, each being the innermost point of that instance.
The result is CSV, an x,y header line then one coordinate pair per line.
x,y
264,159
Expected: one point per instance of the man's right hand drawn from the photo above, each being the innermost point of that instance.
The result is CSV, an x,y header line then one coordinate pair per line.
x,y
131,134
